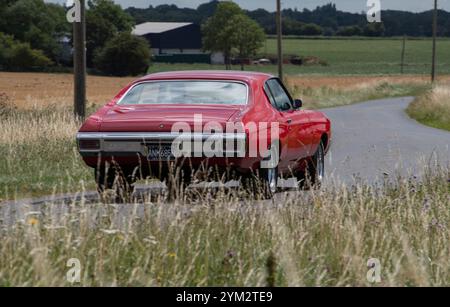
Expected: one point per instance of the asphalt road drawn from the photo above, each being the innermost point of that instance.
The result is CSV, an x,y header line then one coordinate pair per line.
x,y
371,141
377,139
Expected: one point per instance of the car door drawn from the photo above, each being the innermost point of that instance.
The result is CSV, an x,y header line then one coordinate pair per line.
x,y
299,134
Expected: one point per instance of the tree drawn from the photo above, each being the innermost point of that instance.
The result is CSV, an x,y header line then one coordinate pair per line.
x,y
327,16
374,29
124,55
108,10
17,56
6,44
349,31
104,20
4,4
218,30
311,29
207,9
248,37
292,27
36,22
25,58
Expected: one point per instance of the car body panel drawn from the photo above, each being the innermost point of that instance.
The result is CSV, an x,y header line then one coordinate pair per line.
x,y
147,118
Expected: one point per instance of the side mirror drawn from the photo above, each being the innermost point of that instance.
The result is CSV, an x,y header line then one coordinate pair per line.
x,y
298,103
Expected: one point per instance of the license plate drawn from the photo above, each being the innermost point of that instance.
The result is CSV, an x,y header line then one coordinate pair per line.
x,y
160,152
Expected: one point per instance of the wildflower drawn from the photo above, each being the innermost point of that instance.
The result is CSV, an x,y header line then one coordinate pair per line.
x,y
151,240
54,227
230,254
110,231
426,205
33,221
172,255
228,257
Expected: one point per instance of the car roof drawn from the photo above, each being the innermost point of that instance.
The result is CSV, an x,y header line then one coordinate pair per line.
x,y
245,76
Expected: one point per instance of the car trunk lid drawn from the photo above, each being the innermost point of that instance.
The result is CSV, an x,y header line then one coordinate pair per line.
x,y
149,118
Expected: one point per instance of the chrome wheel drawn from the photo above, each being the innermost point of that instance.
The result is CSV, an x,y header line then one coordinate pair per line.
x,y
272,179
314,174
263,184
320,166
270,170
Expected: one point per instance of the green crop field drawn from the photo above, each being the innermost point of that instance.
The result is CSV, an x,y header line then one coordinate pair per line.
x,y
366,56
346,57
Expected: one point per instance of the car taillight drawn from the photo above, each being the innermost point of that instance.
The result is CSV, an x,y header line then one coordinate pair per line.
x,y
89,144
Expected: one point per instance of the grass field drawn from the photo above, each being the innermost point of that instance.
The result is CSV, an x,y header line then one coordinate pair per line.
x,y
307,239
37,90
433,107
315,238
366,56
325,92
28,90
346,57
38,154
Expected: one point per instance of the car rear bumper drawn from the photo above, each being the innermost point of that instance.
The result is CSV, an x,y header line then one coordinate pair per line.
x,y
132,142
131,148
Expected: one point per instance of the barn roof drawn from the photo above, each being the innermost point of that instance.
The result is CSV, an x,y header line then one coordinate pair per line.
x,y
157,27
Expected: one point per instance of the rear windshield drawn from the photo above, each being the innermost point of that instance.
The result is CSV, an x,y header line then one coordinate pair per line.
x,y
187,92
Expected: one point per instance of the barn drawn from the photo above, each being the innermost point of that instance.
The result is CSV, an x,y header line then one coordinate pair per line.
x,y
176,42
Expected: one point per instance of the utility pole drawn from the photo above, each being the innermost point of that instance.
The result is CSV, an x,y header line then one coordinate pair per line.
x,y
79,63
433,65
279,40
403,54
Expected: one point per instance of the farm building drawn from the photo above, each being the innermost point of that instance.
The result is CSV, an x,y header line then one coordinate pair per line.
x,y
176,42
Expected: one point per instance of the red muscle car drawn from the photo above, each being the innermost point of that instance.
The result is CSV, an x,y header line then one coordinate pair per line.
x,y
241,125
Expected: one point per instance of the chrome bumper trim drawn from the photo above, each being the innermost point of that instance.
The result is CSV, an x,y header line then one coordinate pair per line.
x,y
136,141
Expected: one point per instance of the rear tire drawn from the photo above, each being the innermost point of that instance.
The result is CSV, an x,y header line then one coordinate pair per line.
x,y
111,177
265,184
104,178
314,174
269,182
177,181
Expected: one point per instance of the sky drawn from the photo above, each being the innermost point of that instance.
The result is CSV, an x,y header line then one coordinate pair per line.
x,y
343,5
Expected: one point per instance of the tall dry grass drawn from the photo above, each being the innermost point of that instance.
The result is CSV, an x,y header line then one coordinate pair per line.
x,y
327,96
301,239
38,153
433,108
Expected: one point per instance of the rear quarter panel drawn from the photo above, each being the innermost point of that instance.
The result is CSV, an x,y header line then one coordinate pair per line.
x,y
320,125
261,111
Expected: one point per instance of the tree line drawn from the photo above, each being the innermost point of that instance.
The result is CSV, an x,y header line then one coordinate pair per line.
x,y
35,35
323,20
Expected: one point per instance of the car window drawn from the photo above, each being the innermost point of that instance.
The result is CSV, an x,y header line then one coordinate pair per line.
x,y
270,96
187,92
281,99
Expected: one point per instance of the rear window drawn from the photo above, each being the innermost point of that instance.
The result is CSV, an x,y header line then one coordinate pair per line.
x,y
187,92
